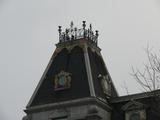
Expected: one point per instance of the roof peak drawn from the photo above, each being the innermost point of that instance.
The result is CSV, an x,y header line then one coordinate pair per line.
x,y
73,33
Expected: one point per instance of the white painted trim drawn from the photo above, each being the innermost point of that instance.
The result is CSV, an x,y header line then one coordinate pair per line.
x,y
89,73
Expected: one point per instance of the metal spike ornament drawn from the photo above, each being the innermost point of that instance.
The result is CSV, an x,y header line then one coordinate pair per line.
x,y
73,33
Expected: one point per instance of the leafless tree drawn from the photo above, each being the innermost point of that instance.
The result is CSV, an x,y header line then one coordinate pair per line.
x,y
149,77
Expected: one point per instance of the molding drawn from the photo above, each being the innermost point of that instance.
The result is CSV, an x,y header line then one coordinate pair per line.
x,y
70,103
89,72
79,42
58,114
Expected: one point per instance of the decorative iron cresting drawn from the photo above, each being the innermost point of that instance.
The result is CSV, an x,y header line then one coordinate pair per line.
x,y
73,33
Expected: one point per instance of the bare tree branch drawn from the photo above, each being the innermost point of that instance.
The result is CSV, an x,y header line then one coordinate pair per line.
x,y
149,78
124,86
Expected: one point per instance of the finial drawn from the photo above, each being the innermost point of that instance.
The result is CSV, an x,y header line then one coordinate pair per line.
x,y
71,25
96,40
90,27
59,29
67,37
67,31
75,29
97,33
84,24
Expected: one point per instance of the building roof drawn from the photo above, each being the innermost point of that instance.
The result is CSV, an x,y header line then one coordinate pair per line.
x,y
78,57
135,96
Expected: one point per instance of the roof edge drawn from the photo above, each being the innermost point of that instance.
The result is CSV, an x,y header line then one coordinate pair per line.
x,y
135,96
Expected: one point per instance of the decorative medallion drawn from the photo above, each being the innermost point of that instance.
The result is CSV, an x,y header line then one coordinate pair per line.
x,y
106,85
62,81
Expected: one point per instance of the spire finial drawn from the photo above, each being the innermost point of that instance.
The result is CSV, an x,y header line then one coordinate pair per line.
x,y
59,29
90,27
97,33
71,25
96,40
84,24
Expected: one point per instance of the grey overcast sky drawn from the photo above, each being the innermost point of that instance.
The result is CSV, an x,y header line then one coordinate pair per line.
x,y
28,32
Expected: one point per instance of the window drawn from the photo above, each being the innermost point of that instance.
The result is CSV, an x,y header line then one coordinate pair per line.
x,y
60,118
134,116
134,110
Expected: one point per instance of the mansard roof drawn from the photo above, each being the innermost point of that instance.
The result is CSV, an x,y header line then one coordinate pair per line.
x,y
72,62
78,56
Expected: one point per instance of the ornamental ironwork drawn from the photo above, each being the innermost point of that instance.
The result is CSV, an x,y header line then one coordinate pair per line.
x,y
73,33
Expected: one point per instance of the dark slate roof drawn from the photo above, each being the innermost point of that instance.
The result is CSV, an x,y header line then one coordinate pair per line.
x,y
135,96
98,67
147,99
72,62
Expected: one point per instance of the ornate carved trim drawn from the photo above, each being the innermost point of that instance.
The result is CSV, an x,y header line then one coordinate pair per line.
x,y
106,84
62,81
80,43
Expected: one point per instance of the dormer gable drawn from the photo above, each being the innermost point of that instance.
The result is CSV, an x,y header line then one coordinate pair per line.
x,y
133,105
